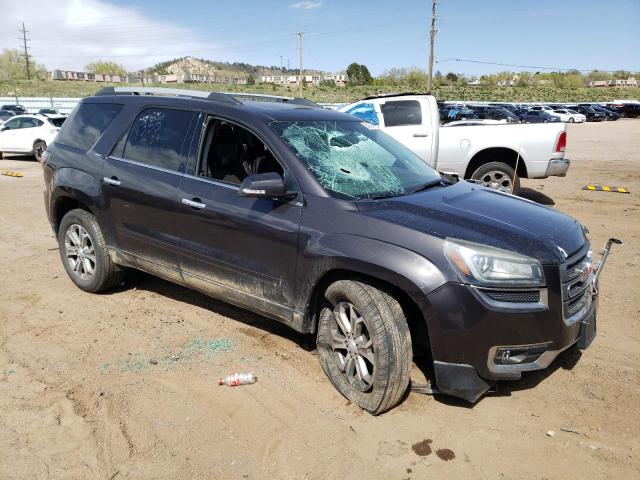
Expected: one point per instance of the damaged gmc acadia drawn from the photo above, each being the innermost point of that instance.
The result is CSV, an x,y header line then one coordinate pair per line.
x,y
315,219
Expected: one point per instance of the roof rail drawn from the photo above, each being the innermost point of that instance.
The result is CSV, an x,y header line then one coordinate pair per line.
x,y
234,98
178,92
260,97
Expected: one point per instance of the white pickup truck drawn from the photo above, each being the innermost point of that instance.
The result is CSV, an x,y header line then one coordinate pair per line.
x,y
489,154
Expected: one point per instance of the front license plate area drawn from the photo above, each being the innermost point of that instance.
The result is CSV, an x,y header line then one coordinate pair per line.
x,y
588,331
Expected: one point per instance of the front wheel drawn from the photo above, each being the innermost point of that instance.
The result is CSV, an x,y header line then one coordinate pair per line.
x,y
498,176
39,146
571,120
364,345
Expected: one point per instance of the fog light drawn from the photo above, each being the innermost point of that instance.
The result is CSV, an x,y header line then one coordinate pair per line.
x,y
518,355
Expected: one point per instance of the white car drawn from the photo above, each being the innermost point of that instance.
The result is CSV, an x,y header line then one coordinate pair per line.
x,y
567,115
29,134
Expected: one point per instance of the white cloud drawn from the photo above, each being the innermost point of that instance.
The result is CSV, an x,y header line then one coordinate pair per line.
x,y
305,5
68,34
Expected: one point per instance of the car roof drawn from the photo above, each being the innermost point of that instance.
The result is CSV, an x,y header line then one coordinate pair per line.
x,y
251,106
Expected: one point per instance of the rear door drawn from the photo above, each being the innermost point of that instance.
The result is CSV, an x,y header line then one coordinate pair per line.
x,y
407,122
26,134
140,186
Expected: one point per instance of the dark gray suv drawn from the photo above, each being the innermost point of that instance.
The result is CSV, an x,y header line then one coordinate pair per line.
x,y
324,223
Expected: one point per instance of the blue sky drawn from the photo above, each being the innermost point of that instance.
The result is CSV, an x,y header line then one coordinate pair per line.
x,y
381,34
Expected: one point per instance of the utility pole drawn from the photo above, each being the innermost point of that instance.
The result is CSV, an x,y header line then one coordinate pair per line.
x,y
299,34
26,49
281,63
433,41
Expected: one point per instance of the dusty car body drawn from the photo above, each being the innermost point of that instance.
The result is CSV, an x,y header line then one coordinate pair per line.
x,y
316,220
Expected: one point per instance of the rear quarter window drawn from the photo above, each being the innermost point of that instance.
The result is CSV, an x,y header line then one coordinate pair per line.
x,y
403,112
87,123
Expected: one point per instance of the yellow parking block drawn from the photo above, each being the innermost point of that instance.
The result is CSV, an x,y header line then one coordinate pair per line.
x,y
605,188
11,174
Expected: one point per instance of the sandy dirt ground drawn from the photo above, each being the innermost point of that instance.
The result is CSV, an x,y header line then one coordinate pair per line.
x,y
122,385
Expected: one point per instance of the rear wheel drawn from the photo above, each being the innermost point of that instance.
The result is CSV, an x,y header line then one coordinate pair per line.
x,y
84,253
498,176
364,345
39,146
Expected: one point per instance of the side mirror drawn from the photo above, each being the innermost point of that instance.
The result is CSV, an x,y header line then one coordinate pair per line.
x,y
264,185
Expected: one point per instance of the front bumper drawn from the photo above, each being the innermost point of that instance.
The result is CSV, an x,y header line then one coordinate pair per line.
x,y
476,343
558,167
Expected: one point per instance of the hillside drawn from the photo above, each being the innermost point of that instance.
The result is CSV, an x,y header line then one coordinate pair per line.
x,y
210,67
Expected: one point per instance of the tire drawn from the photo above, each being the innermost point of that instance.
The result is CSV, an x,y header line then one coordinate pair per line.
x,y
79,227
39,146
498,176
571,120
384,348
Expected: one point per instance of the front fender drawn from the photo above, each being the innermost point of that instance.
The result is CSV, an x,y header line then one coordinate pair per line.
x,y
413,274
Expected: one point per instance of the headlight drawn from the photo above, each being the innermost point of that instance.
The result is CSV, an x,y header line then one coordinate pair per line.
x,y
483,265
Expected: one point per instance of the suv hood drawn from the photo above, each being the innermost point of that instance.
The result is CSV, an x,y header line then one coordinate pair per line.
x,y
470,212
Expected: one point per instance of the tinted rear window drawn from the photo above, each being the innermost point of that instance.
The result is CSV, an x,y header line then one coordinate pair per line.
x,y
87,124
57,122
157,138
404,112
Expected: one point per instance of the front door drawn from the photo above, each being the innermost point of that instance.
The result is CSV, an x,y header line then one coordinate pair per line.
x,y
404,121
140,185
241,249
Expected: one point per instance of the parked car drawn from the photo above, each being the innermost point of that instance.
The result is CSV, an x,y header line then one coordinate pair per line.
x,y
49,111
539,116
452,113
5,115
489,112
626,110
320,221
29,134
591,114
610,114
489,154
569,116
16,109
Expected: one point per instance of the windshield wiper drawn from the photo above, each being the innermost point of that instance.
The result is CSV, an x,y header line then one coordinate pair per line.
x,y
433,183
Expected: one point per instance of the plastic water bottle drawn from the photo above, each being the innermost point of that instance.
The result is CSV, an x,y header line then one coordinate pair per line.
x,y
236,379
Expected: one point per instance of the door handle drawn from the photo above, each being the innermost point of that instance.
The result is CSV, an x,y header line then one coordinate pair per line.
x,y
420,134
193,203
112,181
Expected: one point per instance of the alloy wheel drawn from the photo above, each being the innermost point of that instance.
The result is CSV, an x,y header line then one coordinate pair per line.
x,y
497,180
79,252
352,346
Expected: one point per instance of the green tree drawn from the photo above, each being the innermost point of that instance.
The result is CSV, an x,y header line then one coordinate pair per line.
x,y
14,67
359,75
106,68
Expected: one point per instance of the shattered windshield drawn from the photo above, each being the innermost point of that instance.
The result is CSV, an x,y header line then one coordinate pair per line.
x,y
353,161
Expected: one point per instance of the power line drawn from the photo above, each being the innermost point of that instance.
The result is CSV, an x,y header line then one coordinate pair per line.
x,y
536,67
26,49
432,43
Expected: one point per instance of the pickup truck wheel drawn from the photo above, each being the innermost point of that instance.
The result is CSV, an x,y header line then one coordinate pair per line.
x,y
364,345
498,176
84,253
39,146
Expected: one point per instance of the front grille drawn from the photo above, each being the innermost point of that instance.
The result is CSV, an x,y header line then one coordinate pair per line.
x,y
531,296
576,275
